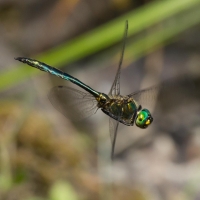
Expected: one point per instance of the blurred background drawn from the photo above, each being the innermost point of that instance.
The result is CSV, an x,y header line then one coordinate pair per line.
x,y
44,155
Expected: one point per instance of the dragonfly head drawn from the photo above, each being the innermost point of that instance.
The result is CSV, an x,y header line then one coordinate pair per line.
x,y
102,99
143,118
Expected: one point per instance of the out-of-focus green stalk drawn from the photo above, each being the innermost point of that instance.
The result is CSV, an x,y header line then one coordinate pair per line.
x,y
107,35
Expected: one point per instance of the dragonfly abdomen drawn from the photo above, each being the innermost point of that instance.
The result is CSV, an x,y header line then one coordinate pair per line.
x,y
44,67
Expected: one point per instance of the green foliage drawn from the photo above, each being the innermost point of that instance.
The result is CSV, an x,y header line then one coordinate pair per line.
x,y
108,34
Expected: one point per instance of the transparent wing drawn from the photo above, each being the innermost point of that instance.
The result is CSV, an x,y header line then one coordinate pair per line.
x,y
115,89
173,91
113,127
147,95
73,103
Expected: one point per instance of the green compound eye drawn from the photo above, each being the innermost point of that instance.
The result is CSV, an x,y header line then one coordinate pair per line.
x,y
143,119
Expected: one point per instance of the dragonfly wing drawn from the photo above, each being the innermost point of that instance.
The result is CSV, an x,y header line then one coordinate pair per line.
x,y
115,89
113,126
147,95
173,91
73,103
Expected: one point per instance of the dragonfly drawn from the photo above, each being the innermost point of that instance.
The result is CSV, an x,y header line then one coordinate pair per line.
x,y
120,109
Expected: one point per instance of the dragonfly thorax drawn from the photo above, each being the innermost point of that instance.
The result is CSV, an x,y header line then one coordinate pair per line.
x,y
122,109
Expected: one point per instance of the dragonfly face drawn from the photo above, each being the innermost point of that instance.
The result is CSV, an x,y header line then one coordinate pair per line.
x,y
143,119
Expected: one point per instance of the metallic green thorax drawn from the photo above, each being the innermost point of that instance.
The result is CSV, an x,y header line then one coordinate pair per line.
x,y
122,109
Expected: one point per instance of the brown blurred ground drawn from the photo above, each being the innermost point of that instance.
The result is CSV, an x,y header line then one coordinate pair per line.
x,y
40,147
